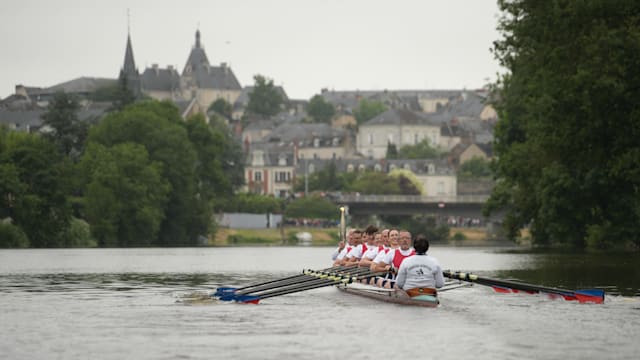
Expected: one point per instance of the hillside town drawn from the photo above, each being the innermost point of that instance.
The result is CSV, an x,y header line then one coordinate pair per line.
x,y
280,148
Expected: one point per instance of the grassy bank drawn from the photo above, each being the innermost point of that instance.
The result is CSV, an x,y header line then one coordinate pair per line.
x,y
323,237
273,237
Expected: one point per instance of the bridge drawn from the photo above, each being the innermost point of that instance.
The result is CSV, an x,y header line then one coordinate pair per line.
x,y
460,205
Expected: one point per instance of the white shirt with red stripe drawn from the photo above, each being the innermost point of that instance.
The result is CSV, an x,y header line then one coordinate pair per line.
x,y
371,253
388,258
347,250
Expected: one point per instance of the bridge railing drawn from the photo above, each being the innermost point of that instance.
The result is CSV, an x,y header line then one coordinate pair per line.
x,y
450,199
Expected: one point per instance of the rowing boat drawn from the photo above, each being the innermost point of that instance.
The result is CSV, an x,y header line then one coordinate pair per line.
x,y
388,295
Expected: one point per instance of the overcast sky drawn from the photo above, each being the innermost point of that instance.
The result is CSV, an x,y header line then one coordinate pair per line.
x,y
303,45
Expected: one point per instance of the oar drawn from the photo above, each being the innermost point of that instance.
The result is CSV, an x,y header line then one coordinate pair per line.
x,y
583,296
309,275
226,290
328,281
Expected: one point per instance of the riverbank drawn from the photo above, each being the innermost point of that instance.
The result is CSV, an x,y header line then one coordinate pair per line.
x,y
330,236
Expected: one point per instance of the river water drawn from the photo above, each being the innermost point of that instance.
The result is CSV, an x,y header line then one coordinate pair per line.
x,y
136,304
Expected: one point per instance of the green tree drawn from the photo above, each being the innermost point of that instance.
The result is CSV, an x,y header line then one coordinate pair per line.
x,y
125,194
320,109
327,179
421,150
374,183
34,184
219,167
12,236
264,99
253,204
68,132
312,207
476,168
159,128
407,181
222,107
122,96
367,110
392,151
567,139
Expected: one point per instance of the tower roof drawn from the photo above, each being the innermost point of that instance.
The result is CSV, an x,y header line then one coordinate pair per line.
x,y
197,57
129,67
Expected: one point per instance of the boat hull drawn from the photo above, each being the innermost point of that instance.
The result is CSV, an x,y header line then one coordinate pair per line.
x,y
388,295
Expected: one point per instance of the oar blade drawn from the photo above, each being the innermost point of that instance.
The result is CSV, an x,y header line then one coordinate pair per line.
x,y
590,296
224,290
248,299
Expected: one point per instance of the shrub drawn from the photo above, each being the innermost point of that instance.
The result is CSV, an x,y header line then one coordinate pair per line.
x,y
12,236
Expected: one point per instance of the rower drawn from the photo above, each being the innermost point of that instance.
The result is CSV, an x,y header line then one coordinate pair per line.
x,y
392,260
353,239
374,244
341,246
420,274
353,257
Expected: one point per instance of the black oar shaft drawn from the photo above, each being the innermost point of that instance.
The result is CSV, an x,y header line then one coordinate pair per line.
x,y
279,280
506,283
311,276
327,282
312,280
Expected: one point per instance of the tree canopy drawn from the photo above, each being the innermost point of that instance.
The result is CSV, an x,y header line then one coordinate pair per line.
x,y
222,107
68,132
320,109
264,99
367,110
34,187
569,121
421,150
475,168
158,127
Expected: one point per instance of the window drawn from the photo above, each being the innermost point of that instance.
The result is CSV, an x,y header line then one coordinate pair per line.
x,y
350,168
336,141
370,139
440,187
311,169
282,160
431,169
377,168
257,176
415,139
316,142
361,168
283,176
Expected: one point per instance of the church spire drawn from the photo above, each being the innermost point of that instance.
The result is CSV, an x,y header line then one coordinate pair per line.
x,y
198,38
129,67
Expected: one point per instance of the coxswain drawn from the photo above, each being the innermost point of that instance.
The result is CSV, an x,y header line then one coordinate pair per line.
x,y
420,274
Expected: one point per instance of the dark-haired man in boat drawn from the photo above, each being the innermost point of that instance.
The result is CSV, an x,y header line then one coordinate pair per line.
x,y
392,260
353,257
420,274
373,248
366,243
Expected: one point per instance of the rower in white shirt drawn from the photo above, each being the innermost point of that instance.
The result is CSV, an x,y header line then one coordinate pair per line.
x,y
420,274
374,245
353,240
392,260
355,254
